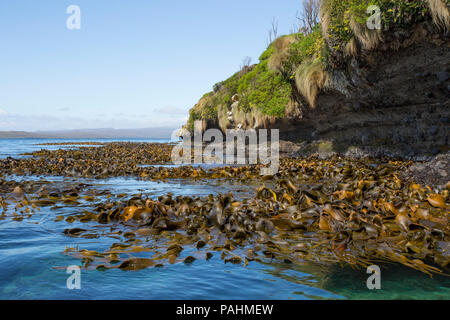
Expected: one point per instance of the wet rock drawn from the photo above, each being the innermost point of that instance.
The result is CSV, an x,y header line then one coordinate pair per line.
x,y
288,147
443,76
434,130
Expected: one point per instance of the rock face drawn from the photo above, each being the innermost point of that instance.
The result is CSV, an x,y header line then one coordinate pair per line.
x,y
434,172
393,101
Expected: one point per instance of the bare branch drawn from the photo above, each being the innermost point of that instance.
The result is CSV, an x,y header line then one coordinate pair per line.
x,y
273,31
246,62
308,18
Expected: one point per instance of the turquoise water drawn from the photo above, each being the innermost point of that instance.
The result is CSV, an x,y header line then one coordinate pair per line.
x,y
31,249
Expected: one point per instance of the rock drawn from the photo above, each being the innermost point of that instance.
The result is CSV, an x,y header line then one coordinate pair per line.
x,y
372,77
356,106
288,147
365,138
433,130
18,191
422,136
443,76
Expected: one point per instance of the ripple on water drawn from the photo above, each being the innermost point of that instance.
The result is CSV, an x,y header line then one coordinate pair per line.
x,y
29,251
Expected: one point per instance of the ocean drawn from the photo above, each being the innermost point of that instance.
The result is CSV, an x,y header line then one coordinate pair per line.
x,y
32,265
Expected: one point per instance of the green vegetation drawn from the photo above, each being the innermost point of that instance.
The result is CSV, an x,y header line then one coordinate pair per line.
x,y
307,46
347,19
301,61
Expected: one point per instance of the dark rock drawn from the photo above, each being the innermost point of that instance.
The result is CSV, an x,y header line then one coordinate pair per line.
x,y
433,130
372,77
405,120
422,136
365,138
356,106
443,76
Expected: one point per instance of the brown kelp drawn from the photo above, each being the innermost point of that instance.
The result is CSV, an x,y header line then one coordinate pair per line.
x,y
334,211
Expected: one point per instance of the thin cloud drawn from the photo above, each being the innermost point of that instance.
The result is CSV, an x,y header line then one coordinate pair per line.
x,y
171,110
44,122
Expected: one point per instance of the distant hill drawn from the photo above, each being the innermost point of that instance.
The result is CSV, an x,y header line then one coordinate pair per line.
x,y
105,133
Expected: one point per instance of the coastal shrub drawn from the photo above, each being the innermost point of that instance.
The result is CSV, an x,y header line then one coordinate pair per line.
x,y
193,116
307,47
267,53
264,90
343,21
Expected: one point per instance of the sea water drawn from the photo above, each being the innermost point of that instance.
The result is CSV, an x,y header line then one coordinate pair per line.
x,y
31,249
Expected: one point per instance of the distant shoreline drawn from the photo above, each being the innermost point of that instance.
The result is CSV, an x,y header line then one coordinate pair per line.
x,y
108,133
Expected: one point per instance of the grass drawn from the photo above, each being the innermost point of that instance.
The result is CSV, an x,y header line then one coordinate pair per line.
x,y
299,62
310,78
440,13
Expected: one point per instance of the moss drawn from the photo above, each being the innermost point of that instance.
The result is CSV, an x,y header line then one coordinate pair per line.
x,y
394,14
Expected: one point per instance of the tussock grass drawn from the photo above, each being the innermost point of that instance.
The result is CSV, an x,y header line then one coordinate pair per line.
x,y
351,48
325,17
440,13
368,38
281,52
310,78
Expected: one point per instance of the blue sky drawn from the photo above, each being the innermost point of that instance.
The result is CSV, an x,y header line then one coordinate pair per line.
x,y
133,64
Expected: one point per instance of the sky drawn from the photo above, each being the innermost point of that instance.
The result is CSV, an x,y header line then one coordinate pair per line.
x,y
132,64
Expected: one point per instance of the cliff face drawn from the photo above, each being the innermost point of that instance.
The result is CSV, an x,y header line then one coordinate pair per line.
x,y
377,91
393,100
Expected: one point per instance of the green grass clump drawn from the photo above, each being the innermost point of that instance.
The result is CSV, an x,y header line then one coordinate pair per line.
x,y
342,16
307,47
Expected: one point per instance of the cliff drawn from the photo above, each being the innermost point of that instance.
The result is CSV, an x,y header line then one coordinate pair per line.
x,y
345,87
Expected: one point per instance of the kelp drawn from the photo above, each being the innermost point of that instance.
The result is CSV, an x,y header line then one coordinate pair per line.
x,y
334,211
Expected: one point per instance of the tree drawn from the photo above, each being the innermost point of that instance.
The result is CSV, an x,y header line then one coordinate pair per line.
x,y
273,31
309,16
246,62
